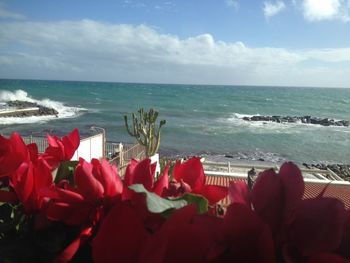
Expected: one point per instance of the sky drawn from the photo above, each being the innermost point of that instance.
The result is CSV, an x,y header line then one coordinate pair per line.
x,y
224,42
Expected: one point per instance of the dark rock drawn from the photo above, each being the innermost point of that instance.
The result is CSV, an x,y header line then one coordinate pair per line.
x,y
23,105
295,119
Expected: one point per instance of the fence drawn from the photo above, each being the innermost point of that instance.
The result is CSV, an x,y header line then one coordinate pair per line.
x,y
312,174
41,142
125,154
90,147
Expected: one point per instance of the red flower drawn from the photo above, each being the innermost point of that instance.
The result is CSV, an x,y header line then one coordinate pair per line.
x,y
121,235
13,152
61,150
275,196
184,237
317,226
28,181
243,237
344,248
327,258
97,185
30,176
143,172
191,178
301,228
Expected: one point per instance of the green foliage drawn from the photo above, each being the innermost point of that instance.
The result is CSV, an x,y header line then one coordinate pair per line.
x,y
163,162
66,171
157,204
145,131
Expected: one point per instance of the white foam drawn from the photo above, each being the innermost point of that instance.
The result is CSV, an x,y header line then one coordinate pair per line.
x,y
241,116
286,127
63,110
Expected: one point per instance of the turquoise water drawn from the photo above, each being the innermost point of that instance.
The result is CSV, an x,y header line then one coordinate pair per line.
x,y
200,119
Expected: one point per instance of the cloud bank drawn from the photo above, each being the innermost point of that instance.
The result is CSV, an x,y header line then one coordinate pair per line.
x,y
91,50
318,10
7,14
272,9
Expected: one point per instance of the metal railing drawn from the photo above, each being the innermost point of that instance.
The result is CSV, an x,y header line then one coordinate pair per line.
x,y
125,154
232,168
41,142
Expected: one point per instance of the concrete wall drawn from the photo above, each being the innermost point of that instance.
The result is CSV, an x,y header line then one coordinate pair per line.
x,y
92,147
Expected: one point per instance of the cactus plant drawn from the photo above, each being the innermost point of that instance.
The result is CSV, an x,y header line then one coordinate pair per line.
x,y
144,129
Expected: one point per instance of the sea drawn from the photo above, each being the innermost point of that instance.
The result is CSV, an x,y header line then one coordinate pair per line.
x,y
200,119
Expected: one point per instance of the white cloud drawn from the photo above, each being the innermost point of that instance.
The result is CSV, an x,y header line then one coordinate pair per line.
x,y
233,4
272,9
90,50
6,14
317,10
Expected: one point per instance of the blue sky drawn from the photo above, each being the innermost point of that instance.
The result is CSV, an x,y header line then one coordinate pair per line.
x,y
283,42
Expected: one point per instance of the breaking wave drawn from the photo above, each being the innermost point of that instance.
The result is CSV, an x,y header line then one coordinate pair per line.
x,y
63,110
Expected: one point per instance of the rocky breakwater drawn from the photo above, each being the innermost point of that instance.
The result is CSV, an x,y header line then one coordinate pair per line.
x,y
299,119
342,170
24,109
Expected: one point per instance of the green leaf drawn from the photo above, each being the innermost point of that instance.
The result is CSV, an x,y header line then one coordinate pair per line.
x,y
157,204
66,171
201,202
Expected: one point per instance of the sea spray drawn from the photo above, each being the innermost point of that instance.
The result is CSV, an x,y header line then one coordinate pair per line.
x,y
63,110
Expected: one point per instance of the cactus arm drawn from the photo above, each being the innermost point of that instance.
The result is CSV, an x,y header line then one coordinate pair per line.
x,y
157,139
145,129
127,126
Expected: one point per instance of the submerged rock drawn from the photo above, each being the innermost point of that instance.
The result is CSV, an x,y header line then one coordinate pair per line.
x,y
24,109
302,119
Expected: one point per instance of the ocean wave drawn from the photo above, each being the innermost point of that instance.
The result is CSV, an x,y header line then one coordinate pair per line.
x,y
238,119
63,110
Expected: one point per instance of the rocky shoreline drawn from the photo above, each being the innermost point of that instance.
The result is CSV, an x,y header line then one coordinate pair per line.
x,y
24,109
342,170
299,119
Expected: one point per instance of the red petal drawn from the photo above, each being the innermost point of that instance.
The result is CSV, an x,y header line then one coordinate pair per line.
x,y
71,143
191,172
318,225
51,141
129,173
327,258
344,248
8,197
70,214
239,193
182,238
73,247
268,199
19,146
62,195
214,193
293,185
142,173
246,237
42,175
110,179
33,151
120,237
23,181
162,182
13,152
8,164
86,183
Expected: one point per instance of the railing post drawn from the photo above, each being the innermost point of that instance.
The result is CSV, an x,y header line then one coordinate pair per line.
x,y
121,154
229,167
